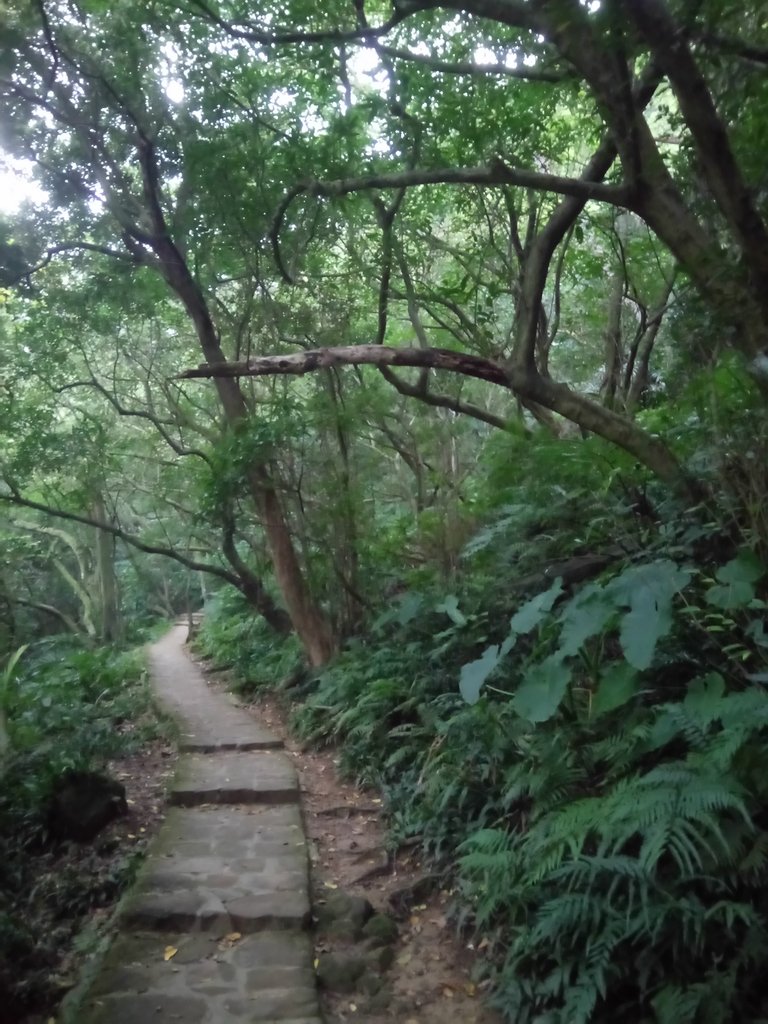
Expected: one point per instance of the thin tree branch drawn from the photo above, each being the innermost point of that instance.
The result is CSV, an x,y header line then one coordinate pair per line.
x,y
263,38
462,67
143,414
440,401
56,250
736,47
14,497
496,173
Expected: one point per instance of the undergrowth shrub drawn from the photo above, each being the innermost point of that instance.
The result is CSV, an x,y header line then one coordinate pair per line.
x,y
65,707
68,707
233,635
586,758
602,789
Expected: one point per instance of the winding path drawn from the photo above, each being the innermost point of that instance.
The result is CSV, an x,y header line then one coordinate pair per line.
x,y
214,931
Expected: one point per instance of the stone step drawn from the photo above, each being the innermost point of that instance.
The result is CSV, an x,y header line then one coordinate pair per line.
x,y
199,742
237,777
239,869
218,978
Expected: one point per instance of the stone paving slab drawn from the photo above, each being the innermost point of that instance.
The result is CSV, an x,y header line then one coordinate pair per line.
x,y
212,979
208,720
238,777
237,868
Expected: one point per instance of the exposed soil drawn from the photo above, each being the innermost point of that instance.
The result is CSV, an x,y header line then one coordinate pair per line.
x,y
75,887
431,978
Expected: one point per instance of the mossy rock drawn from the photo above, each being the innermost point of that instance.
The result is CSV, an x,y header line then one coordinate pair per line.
x,y
380,930
343,916
340,972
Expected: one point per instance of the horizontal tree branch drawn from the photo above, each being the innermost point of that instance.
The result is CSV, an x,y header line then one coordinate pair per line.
x,y
48,609
463,67
440,401
14,497
738,47
498,172
57,250
300,363
264,38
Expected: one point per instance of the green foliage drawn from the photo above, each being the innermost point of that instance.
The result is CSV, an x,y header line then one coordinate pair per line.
x,y
661,868
67,707
233,636
603,793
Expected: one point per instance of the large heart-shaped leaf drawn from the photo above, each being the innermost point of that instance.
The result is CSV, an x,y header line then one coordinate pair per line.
x,y
542,689
474,674
648,590
736,579
618,684
585,615
533,612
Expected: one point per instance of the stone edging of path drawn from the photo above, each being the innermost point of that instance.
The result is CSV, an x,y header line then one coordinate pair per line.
x,y
214,929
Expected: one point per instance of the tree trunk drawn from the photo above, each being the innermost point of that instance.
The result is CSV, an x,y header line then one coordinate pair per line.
x,y
109,604
613,345
310,624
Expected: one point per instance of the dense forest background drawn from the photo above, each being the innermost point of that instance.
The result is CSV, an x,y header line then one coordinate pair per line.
x,y
426,346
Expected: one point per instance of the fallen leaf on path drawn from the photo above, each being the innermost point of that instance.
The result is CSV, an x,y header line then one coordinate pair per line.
x,y
448,992
169,953
330,885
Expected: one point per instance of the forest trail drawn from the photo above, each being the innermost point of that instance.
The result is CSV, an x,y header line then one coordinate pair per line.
x,y
214,931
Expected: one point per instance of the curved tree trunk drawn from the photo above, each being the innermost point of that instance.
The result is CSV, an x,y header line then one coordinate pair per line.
x,y
312,627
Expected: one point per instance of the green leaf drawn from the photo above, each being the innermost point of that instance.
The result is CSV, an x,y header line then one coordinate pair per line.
x,y
450,605
736,579
704,697
757,631
730,596
474,674
618,684
648,590
542,689
585,615
532,613
746,567
641,629
661,579
410,606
